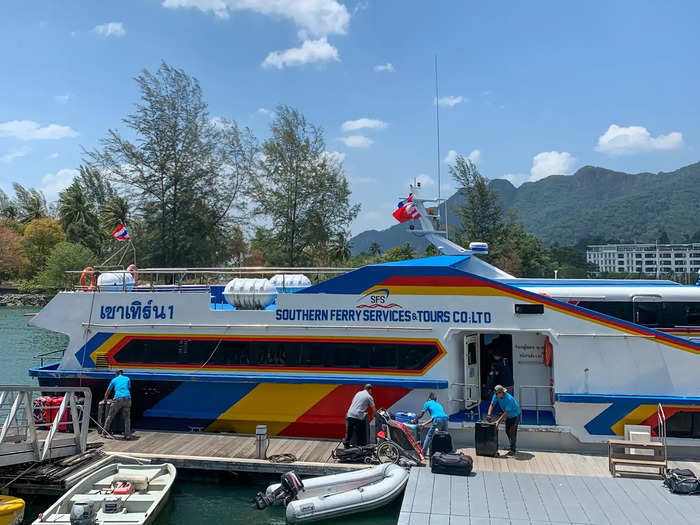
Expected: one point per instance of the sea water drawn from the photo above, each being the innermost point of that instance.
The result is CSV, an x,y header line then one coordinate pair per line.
x,y
205,499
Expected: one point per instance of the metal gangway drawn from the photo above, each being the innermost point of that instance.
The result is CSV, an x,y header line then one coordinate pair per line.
x,y
34,432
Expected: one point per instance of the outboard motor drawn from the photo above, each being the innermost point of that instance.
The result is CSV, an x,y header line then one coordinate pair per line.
x,y
83,514
289,487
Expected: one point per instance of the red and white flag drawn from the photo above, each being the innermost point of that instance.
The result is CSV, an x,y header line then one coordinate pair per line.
x,y
120,233
407,210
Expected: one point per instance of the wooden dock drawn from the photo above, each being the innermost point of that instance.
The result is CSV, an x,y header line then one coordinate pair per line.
x,y
516,498
228,452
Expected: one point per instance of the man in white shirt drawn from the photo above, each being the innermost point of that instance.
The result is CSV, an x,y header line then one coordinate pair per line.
x,y
355,417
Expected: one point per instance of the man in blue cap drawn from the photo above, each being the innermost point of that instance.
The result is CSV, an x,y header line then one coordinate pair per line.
x,y
511,414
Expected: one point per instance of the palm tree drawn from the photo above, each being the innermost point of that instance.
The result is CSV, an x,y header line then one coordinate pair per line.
x,y
78,218
113,212
341,248
31,203
375,249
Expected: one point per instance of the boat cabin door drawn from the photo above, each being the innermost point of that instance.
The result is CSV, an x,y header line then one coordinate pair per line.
x,y
472,371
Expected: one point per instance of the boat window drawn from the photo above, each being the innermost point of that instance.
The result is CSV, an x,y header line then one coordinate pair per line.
x,y
683,424
619,309
647,314
275,353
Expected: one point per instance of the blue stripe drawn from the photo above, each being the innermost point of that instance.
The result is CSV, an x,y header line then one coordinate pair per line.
x,y
640,400
199,401
83,354
142,375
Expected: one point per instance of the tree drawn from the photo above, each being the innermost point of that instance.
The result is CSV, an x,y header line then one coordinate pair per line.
x,y
399,253
341,248
300,189
183,173
8,208
375,249
30,203
78,218
663,237
63,257
96,186
40,236
695,237
13,261
113,212
482,214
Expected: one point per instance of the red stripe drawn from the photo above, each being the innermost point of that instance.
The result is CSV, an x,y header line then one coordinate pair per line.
x,y
326,419
653,420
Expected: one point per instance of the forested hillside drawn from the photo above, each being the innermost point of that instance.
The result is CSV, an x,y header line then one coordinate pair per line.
x,y
592,203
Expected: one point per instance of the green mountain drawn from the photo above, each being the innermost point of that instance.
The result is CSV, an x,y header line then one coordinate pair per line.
x,y
593,202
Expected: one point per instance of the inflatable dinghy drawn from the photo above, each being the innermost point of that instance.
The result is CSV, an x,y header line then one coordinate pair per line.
x,y
336,495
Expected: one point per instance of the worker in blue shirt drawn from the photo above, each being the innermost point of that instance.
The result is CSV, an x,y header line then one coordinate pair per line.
x,y
438,419
121,386
511,414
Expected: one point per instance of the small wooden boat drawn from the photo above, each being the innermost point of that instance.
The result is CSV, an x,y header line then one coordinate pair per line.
x,y
11,510
117,494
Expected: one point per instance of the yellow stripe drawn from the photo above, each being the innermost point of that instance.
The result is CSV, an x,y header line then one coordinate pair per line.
x,y
106,346
639,414
277,404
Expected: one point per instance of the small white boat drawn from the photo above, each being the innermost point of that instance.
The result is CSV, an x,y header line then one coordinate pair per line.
x,y
117,494
340,494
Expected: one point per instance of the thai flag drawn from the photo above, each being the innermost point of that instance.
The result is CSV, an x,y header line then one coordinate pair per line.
x,y
407,210
120,233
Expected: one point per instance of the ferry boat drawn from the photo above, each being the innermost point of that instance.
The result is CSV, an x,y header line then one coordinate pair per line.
x,y
587,356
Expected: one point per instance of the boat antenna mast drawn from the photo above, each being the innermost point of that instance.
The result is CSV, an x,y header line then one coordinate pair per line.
x,y
439,160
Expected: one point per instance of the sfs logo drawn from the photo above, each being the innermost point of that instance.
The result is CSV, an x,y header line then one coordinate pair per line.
x,y
378,298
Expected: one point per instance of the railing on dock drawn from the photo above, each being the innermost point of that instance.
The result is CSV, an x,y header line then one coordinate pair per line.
x,y
36,427
537,406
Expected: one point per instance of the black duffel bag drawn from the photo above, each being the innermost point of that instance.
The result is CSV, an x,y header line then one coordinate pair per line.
x,y
364,454
682,481
453,464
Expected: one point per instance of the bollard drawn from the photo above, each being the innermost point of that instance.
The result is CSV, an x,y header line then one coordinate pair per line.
x,y
261,441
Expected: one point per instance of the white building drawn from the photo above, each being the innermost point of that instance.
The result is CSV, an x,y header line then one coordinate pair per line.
x,y
645,258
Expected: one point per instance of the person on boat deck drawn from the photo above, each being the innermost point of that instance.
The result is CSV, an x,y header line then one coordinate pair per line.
x,y
438,420
505,372
355,422
511,414
121,386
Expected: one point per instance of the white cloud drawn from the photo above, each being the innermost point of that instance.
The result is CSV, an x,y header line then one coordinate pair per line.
x,y
62,99
54,155
317,17
620,140
310,51
357,141
516,179
334,156
451,157
388,68
449,101
30,130
551,163
110,29
14,154
54,183
362,123
265,111
375,220
219,122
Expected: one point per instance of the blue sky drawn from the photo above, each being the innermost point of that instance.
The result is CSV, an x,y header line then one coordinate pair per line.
x,y
528,89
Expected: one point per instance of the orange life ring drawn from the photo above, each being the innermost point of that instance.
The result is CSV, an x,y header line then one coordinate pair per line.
x,y
88,270
547,353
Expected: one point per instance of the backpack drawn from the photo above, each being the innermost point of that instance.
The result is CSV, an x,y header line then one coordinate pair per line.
x,y
682,481
453,464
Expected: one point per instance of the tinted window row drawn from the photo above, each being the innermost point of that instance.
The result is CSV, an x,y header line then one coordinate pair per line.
x,y
663,315
329,354
683,425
